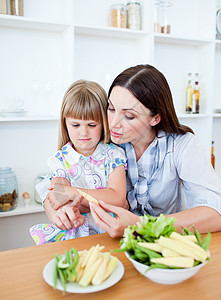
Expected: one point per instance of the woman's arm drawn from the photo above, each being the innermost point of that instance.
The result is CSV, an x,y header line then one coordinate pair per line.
x,y
202,217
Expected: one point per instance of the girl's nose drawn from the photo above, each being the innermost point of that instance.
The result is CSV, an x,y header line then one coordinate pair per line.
x,y
84,131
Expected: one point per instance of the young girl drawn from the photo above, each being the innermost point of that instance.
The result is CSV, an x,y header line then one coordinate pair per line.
x,y
83,160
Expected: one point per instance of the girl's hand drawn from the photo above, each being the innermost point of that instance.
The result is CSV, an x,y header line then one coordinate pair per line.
x,y
60,195
114,226
68,217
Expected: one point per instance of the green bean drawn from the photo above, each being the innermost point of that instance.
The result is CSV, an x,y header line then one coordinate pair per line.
x,y
207,241
63,281
76,257
67,257
55,277
198,237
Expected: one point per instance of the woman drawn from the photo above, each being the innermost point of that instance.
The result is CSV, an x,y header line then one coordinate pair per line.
x,y
162,154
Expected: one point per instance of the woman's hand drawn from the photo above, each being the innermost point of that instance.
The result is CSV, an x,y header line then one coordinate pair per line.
x,y
114,226
60,195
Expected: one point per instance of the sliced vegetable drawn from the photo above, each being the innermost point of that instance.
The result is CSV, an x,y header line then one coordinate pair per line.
x,y
87,276
179,262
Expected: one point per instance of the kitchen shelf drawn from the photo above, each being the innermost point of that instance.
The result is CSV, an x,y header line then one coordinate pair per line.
x,y
217,115
23,210
179,40
29,118
218,44
30,23
110,32
193,116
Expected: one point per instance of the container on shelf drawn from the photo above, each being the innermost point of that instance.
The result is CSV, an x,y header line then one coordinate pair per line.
x,y
39,178
8,189
157,27
3,7
164,10
17,7
118,15
133,15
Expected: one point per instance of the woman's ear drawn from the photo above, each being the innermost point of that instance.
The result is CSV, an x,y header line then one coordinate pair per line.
x,y
155,120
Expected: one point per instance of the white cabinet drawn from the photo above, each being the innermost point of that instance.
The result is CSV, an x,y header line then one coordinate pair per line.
x,y
60,41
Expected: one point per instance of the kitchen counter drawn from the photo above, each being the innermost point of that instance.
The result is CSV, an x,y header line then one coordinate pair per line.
x,y
21,275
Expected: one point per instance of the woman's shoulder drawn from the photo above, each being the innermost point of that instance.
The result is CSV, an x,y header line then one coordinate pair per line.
x,y
183,140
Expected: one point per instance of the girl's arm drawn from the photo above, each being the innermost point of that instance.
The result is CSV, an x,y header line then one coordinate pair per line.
x,y
114,194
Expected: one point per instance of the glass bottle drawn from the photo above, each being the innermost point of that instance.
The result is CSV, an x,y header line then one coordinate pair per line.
x,y
196,96
8,189
212,155
189,93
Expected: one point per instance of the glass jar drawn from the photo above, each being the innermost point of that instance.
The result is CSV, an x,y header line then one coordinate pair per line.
x,y
39,178
133,15
17,7
8,189
157,28
165,11
118,15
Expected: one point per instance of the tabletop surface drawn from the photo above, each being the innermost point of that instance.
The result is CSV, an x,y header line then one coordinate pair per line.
x,y
21,274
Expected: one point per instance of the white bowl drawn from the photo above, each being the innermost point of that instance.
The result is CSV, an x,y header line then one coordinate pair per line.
x,y
166,276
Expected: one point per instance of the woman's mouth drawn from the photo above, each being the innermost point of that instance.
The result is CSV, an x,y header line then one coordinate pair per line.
x,y
115,134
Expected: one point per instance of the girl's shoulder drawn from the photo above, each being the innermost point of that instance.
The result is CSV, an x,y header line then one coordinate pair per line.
x,y
112,147
65,150
111,150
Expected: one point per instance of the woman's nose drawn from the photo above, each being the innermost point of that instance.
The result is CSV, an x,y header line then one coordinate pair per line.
x,y
115,121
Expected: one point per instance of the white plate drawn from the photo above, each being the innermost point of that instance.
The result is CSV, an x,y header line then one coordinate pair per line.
x,y
73,287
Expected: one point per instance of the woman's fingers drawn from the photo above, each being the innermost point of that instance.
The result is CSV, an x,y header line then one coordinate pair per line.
x,y
112,208
97,216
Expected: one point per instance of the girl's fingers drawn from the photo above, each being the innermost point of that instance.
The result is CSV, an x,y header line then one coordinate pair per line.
x,y
58,223
64,219
79,222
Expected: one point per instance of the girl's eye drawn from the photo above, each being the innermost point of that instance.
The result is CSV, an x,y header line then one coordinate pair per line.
x,y
75,125
92,125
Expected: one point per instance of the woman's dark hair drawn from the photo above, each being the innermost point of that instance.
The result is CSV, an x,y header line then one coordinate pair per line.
x,y
150,87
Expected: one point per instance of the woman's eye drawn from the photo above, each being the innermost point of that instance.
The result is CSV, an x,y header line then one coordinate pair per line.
x,y
111,109
129,117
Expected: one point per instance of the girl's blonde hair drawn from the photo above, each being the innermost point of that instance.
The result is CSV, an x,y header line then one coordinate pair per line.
x,y
84,100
